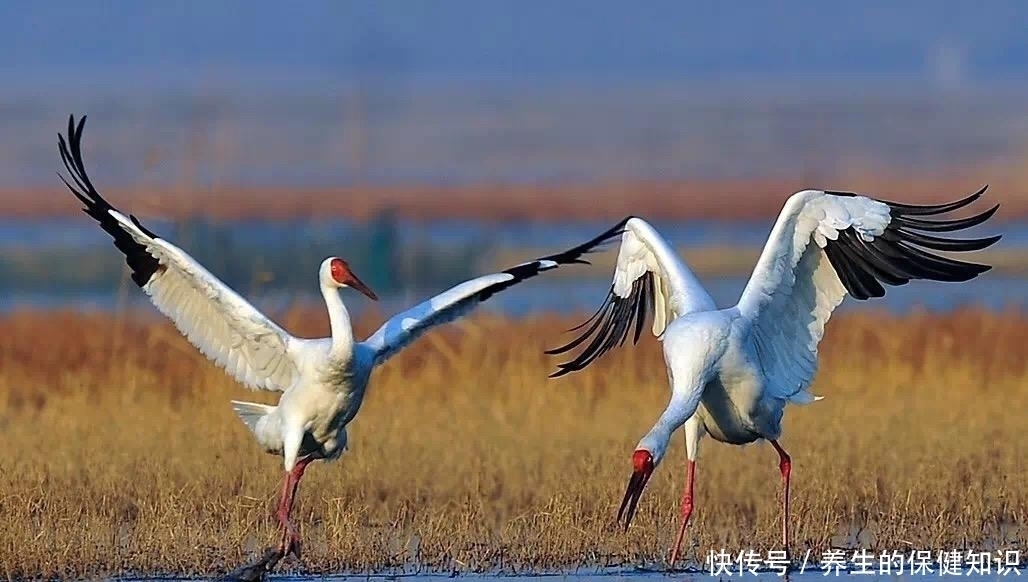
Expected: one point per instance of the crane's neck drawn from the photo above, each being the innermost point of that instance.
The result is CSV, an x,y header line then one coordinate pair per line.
x,y
339,319
674,416
656,441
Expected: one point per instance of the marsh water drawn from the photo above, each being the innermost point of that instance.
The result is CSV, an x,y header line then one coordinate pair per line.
x,y
273,262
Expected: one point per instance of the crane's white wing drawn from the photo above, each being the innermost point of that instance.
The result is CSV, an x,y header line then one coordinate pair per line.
x,y
220,323
403,328
826,245
649,278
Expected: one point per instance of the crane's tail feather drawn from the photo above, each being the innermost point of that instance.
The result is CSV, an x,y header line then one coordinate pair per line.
x,y
804,397
251,413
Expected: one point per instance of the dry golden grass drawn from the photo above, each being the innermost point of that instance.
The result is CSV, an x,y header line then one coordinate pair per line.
x,y
121,451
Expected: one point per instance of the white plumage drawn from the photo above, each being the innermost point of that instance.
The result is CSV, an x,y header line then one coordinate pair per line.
x,y
732,371
794,289
322,381
222,325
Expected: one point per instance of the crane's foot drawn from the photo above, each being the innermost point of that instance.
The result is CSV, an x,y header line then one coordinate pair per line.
x,y
290,541
293,547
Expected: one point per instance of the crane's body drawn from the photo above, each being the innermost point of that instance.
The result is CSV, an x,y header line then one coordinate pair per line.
x,y
322,382
730,408
732,371
325,398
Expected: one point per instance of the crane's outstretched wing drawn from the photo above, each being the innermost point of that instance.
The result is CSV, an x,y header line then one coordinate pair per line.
x,y
826,245
220,323
403,328
649,279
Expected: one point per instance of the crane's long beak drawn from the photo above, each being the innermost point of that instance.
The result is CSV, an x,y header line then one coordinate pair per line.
x,y
643,463
360,286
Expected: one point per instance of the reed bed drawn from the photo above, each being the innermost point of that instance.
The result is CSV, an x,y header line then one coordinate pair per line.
x,y
121,452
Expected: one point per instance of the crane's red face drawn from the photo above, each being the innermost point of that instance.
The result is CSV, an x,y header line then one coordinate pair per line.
x,y
642,468
343,276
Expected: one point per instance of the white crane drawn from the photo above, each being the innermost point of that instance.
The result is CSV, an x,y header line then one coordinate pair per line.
x,y
322,381
732,371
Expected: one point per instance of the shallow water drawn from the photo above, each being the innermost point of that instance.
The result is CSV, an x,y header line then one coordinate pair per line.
x,y
994,565
996,293
447,244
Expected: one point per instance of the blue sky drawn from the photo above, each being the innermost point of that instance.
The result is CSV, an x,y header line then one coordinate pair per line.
x,y
517,40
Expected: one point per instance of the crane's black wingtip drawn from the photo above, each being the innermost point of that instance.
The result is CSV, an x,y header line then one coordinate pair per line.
x,y
905,251
139,260
610,325
991,240
74,129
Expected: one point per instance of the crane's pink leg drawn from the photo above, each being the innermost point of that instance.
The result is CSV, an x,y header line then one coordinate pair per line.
x,y
690,477
290,535
785,465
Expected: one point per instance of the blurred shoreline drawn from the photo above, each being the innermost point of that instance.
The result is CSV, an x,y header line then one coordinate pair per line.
x,y
680,200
